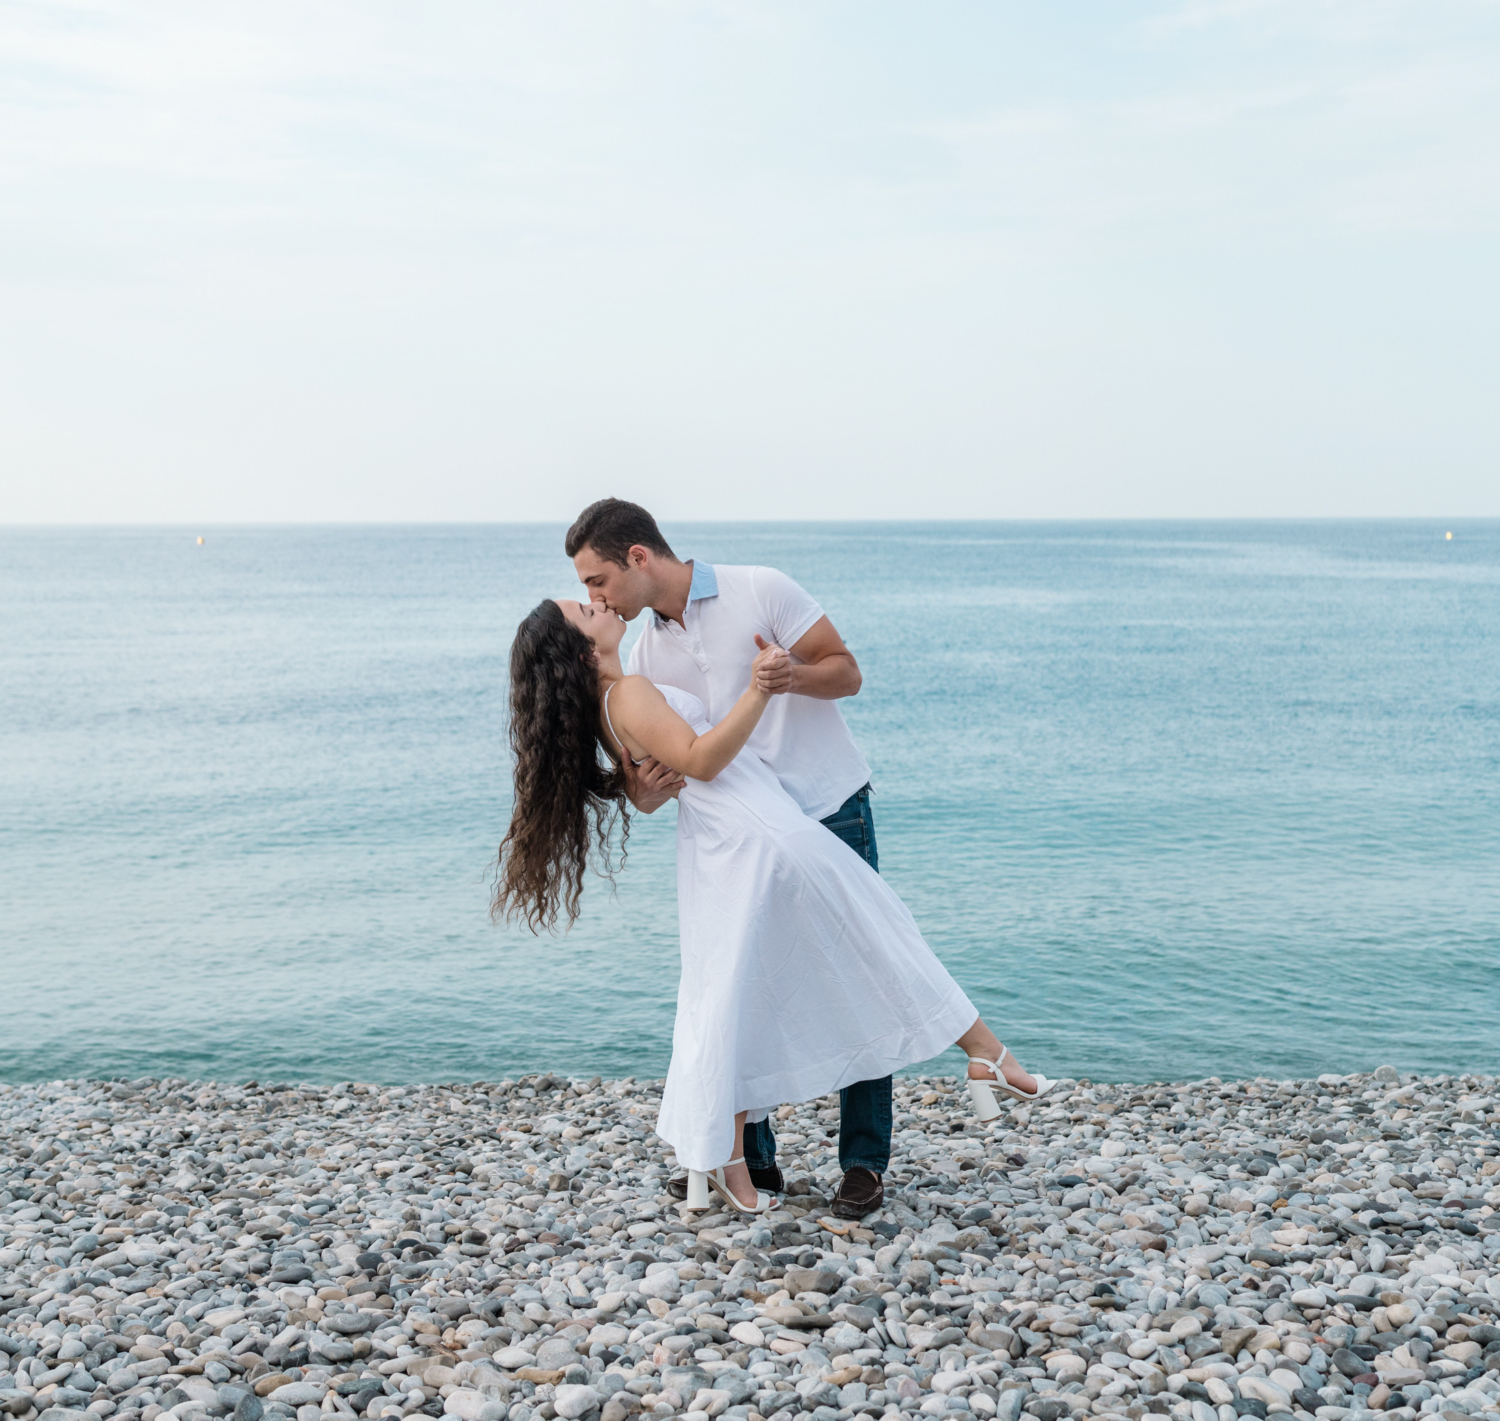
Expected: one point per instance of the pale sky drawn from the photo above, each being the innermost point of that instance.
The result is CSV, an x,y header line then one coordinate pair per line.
x,y
302,260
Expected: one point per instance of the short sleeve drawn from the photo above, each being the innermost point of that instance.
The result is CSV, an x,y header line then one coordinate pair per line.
x,y
789,611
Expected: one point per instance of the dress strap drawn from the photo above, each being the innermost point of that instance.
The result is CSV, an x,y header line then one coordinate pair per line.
x,y
623,747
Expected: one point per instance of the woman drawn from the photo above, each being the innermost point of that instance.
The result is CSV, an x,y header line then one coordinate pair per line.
x,y
801,970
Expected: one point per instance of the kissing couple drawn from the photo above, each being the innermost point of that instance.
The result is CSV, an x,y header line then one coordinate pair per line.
x,y
802,971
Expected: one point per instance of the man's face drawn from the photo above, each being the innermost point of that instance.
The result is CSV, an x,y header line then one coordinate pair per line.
x,y
625,590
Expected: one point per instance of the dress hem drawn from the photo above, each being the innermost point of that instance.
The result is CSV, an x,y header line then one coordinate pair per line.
x,y
709,1151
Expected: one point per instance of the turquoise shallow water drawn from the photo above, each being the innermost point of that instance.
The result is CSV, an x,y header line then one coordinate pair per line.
x,y
1169,799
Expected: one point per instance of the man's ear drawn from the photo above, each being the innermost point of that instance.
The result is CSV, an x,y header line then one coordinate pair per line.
x,y
637,557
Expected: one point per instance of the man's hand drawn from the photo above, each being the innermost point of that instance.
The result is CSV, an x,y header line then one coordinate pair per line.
x,y
772,672
651,784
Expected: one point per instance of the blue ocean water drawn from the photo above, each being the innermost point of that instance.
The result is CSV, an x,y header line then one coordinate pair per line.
x,y
1170,799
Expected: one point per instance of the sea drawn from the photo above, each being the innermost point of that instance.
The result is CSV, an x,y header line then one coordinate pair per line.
x,y
1170,800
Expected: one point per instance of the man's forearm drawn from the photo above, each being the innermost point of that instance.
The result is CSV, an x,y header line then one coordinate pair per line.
x,y
830,679
648,785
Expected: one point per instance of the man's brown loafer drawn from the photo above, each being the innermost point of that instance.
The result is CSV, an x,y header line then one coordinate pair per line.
x,y
771,1180
861,1192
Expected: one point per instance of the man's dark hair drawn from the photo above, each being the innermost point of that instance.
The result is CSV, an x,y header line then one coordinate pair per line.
x,y
612,527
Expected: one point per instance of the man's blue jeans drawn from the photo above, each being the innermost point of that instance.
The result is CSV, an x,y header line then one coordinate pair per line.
x,y
865,1107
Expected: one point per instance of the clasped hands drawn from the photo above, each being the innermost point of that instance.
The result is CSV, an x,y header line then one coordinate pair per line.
x,y
771,671
651,784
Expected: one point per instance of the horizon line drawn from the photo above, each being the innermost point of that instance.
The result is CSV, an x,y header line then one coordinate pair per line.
x,y
251,525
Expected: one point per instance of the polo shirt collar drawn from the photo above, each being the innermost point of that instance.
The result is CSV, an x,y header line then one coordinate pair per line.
x,y
704,583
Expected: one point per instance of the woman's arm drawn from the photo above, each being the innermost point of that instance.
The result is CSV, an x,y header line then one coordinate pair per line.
x,y
647,725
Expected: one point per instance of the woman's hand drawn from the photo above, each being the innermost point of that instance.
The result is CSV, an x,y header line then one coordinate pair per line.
x,y
771,671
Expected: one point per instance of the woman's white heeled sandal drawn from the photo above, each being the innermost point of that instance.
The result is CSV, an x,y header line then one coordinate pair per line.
x,y
764,1202
982,1093
699,1184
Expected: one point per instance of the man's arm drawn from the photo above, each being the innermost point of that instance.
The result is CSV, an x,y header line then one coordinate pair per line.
x,y
651,784
828,671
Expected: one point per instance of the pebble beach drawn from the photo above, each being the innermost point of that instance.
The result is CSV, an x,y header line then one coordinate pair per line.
x,y
504,1251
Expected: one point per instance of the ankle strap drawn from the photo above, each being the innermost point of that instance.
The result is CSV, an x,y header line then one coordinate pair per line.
x,y
993,1065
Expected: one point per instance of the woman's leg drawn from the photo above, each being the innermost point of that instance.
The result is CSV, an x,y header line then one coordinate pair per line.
x,y
737,1176
980,1041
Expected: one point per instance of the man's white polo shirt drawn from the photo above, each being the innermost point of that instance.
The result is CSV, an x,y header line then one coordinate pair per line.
x,y
804,741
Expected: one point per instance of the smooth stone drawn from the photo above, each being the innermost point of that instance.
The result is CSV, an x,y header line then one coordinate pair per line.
x,y
1263,1389
573,1402
465,1403
299,1394
297,1273
810,1280
555,1352
249,1408
1008,1408
664,1285
351,1324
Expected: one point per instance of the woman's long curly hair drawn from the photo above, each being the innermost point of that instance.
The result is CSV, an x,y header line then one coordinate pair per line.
x,y
568,798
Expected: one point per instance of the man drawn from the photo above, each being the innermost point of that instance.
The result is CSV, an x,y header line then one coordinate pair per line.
x,y
705,625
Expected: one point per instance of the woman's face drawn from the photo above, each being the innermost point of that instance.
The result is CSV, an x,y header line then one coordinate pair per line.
x,y
599,625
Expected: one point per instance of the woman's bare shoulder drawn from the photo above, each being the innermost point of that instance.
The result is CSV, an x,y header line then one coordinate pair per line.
x,y
635,695
637,688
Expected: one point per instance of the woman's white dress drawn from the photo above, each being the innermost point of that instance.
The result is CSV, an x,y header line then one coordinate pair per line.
x,y
802,972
